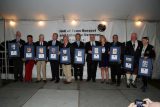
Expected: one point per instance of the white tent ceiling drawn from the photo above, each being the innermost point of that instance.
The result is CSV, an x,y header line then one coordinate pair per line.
x,y
80,9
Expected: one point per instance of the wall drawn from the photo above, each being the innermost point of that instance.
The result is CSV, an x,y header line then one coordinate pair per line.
x,y
120,27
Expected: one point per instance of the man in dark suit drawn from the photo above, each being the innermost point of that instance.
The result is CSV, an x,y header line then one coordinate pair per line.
x,y
54,63
116,66
78,68
41,64
133,48
147,51
18,62
91,65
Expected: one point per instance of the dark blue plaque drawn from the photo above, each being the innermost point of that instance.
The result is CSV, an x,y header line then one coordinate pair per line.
x,y
79,56
13,50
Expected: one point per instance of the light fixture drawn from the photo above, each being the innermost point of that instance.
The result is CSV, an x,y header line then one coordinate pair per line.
x,y
74,22
41,23
138,23
12,23
103,22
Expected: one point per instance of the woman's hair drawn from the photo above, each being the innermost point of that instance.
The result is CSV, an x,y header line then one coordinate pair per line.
x,y
102,37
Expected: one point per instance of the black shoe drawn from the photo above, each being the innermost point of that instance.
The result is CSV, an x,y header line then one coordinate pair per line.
x,y
76,79
21,80
94,80
128,85
52,79
134,85
102,81
57,81
81,79
44,81
15,80
38,81
112,83
88,80
66,82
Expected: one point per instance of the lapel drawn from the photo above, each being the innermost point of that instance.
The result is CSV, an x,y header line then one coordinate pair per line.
x,y
146,49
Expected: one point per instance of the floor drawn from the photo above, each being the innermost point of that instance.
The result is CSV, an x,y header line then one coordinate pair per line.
x,y
77,94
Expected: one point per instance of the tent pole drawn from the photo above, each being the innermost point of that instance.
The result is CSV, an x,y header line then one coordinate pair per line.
x,y
6,66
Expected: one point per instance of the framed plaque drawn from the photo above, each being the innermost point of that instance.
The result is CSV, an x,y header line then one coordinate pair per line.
x,y
128,62
13,50
41,53
53,53
145,67
79,56
96,53
29,52
65,56
115,54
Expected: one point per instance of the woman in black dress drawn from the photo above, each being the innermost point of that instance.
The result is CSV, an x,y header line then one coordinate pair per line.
x,y
104,63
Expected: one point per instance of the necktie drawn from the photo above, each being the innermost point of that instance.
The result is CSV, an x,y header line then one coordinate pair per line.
x,y
133,46
78,43
143,50
92,43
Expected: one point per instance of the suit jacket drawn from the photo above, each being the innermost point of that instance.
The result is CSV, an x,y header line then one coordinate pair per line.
x,y
88,47
75,46
129,50
69,45
149,52
57,44
22,42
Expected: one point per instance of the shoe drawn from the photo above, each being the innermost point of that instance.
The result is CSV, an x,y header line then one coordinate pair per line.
x,y
102,81
44,81
52,79
57,81
67,82
128,85
94,80
21,80
81,79
15,80
38,81
134,85
112,83
88,80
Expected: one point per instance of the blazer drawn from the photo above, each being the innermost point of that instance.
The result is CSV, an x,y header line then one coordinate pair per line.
x,y
149,52
129,50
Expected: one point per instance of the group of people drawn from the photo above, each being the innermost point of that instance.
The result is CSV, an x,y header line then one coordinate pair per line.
x,y
134,47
